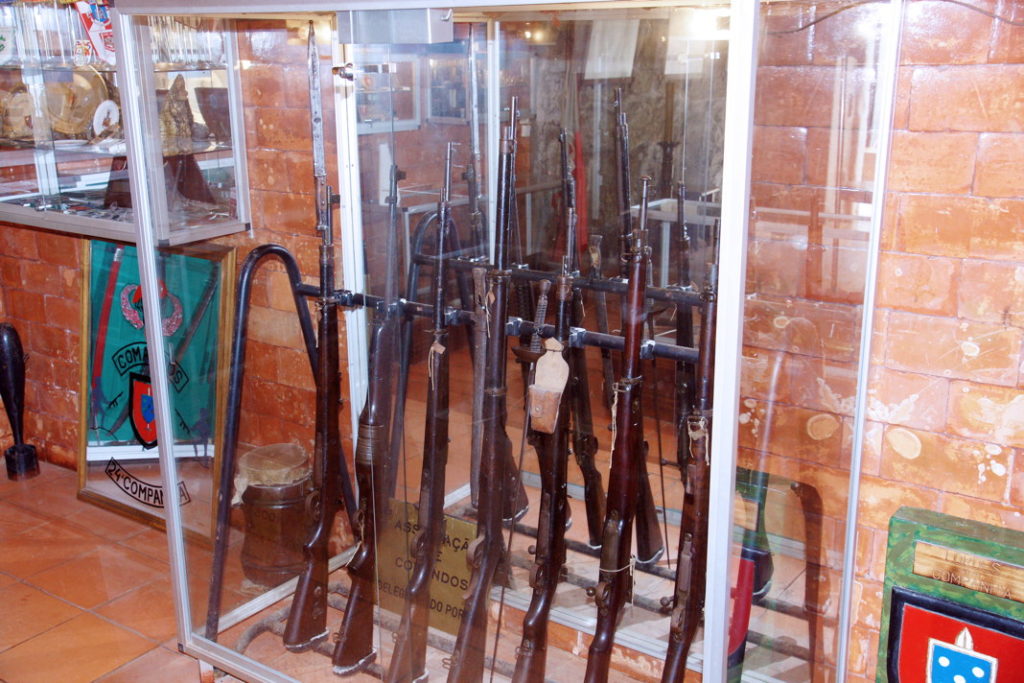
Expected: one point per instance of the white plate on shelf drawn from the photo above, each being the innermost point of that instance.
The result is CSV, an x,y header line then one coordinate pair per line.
x,y
105,118
68,144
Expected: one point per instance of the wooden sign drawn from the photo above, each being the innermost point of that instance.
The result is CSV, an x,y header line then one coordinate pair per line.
x,y
954,601
451,574
974,572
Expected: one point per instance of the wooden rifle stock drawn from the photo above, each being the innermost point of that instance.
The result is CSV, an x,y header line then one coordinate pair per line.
x,y
614,583
688,599
649,544
307,618
549,552
584,443
486,551
354,648
408,660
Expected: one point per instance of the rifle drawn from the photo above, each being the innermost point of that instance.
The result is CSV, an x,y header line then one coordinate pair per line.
x,y
623,486
649,545
688,599
584,443
549,422
354,649
408,660
487,549
686,378
307,618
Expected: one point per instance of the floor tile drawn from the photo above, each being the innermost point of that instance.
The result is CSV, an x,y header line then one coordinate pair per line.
x,y
159,665
99,576
106,523
148,609
28,611
26,554
53,498
151,542
15,519
49,475
77,650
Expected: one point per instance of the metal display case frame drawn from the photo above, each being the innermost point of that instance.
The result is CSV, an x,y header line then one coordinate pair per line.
x,y
735,200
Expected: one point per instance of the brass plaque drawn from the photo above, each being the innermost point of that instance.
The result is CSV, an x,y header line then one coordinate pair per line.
x,y
451,574
974,572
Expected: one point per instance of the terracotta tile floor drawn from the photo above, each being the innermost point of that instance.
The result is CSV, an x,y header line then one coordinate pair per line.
x,y
84,593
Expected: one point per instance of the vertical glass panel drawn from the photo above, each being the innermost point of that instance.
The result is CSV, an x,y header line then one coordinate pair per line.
x,y
650,81
192,109
813,191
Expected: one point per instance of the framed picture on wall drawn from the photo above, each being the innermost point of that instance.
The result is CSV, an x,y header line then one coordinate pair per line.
x,y
118,465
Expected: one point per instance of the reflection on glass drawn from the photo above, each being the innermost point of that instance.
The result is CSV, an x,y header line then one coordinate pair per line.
x,y
813,164
120,458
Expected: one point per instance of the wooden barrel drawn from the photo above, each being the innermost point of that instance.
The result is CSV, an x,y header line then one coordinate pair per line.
x,y
275,482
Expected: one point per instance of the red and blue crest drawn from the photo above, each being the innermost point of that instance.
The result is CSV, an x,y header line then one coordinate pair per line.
x,y
143,410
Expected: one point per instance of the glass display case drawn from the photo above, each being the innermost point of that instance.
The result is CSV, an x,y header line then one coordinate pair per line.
x,y
189,130
61,143
495,239
62,138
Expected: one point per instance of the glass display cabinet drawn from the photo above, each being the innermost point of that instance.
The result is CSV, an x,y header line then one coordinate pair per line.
x,y
62,137
506,263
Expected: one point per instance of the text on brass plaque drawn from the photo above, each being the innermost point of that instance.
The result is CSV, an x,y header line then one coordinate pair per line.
x,y
974,572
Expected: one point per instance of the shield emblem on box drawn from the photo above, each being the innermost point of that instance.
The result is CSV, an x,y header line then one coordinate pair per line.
x,y
933,639
143,412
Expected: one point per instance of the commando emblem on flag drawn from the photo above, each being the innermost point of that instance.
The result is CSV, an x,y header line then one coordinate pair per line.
x,y
143,412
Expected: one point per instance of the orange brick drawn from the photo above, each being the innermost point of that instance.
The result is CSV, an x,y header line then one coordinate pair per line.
x,y
992,292
937,225
997,230
780,44
59,249
38,276
816,329
19,242
1007,43
932,162
949,348
871,453
922,284
1017,484
982,411
283,129
983,98
996,514
909,399
879,330
901,101
940,33
776,267
880,498
879,545
863,658
63,313
846,34
279,328
778,154
980,470
23,305
794,96
1000,171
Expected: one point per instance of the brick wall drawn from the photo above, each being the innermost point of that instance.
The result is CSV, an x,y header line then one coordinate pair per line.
x,y
40,294
946,414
